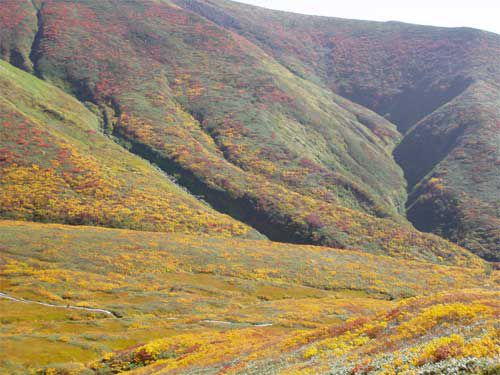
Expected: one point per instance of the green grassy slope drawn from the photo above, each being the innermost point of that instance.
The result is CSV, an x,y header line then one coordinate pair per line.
x,y
57,166
272,149
219,302
405,73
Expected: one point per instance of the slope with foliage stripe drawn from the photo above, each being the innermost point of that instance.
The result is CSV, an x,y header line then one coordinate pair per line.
x,y
57,166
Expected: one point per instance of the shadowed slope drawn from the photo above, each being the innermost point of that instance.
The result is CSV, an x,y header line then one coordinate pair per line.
x,y
457,184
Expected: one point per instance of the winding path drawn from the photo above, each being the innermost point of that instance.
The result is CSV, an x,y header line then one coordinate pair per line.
x,y
237,323
22,300
114,315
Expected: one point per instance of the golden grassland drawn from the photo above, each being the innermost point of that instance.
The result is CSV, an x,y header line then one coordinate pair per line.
x,y
199,304
414,335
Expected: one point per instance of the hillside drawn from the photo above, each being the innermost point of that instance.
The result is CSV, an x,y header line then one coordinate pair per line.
x,y
57,166
439,86
230,117
215,303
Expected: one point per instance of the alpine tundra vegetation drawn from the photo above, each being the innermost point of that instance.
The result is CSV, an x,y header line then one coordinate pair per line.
x,y
209,187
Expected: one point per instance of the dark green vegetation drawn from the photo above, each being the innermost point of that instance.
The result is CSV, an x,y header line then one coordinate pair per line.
x,y
256,111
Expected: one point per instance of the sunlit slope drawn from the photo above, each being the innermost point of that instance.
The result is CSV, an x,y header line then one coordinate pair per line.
x,y
57,166
445,333
399,70
272,149
181,77
216,303
445,80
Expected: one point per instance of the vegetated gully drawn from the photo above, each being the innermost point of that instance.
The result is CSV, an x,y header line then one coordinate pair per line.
x,y
243,208
406,110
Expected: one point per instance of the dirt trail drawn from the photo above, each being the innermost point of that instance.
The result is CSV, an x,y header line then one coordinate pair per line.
x,y
110,313
22,300
236,323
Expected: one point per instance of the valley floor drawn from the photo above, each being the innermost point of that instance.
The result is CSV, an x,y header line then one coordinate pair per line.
x,y
101,301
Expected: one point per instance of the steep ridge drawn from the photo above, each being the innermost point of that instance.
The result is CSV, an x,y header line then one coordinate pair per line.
x,y
405,73
315,166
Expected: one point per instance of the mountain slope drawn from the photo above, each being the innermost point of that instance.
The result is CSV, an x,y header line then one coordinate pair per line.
x,y
279,152
408,74
57,166
401,71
